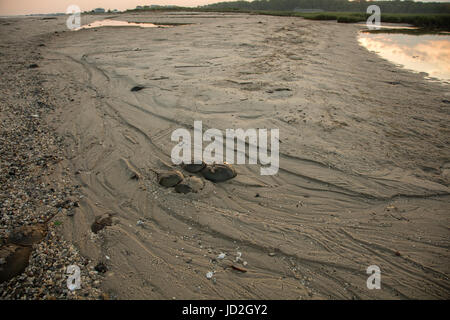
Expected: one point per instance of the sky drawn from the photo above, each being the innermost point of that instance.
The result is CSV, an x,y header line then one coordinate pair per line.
x,y
15,7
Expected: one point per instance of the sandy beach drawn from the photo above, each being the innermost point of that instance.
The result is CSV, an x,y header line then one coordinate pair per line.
x,y
364,175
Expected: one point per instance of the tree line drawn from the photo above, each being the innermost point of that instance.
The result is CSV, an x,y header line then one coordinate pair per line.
x,y
395,6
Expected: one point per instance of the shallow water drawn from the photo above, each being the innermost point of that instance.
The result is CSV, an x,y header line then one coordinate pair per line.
x,y
419,53
117,23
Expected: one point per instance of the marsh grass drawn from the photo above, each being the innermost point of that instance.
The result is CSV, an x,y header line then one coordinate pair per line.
x,y
426,21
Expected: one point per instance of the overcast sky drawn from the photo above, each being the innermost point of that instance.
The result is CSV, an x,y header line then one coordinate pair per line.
x,y
11,7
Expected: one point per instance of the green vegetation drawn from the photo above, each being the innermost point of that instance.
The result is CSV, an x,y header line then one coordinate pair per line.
x,y
335,6
426,21
431,16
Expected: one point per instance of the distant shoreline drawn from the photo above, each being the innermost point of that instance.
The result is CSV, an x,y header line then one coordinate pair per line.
x,y
428,21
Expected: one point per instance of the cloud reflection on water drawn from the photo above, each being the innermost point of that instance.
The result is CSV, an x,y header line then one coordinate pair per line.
x,y
420,53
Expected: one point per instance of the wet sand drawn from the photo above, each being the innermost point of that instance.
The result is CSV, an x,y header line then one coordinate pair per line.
x,y
364,158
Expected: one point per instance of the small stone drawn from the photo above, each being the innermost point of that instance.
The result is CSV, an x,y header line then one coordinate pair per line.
x,y
272,254
101,267
209,275
137,88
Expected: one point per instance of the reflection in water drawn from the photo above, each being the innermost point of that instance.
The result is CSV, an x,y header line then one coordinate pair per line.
x,y
116,23
420,53
389,26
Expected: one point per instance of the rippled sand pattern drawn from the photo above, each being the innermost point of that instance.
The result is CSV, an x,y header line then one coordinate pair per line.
x,y
364,160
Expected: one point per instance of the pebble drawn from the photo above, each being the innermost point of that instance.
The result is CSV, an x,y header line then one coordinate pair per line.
x,y
101,267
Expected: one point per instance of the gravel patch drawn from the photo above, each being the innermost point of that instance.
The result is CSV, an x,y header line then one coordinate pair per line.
x,y
30,152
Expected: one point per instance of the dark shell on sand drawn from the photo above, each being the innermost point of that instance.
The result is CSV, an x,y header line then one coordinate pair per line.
x,y
101,222
193,167
13,261
137,88
190,184
101,267
27,235
219,172
170,178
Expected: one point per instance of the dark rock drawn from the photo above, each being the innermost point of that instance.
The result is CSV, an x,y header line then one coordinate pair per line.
x,y
101,267
137,88
33,66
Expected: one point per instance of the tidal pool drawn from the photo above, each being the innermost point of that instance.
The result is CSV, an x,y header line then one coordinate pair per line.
x,y
429,53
